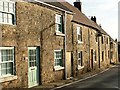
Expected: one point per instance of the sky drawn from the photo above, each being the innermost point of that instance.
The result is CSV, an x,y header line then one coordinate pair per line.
x,y
106,12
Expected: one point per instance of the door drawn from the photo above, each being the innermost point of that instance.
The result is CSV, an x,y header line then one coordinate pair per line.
x,y
68,62
33,64
92,58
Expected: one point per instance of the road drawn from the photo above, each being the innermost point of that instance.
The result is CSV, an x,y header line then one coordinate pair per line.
x,y
103,81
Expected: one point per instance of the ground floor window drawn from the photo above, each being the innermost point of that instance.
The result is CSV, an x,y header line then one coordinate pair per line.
x,y
58,60
6,61
80,59
102,55
95,58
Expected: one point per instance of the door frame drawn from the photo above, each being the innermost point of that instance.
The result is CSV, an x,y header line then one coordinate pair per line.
x,y
37,64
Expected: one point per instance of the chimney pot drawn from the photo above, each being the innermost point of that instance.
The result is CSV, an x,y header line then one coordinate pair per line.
x,y
93,18
77,4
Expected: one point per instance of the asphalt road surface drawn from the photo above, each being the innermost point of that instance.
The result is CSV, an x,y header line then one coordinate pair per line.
x,y
108,80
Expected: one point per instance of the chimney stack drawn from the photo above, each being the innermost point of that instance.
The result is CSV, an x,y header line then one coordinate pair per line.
x,y
93,18
78,4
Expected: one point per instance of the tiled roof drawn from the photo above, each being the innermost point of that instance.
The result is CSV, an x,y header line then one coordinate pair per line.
x,y
78,16
56,3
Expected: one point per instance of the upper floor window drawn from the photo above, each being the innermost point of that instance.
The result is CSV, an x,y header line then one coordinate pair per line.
x,y
7,12
79,34
6,61
102,40
96,38
59,23
107,40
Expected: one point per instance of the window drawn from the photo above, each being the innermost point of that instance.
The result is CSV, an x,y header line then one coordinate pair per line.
x,y
80,59
95,59
102,39
107,40
58,58
32,57
111,44
96,37
6,61
59,23
111,55
102,55
108,54
7,12
79,34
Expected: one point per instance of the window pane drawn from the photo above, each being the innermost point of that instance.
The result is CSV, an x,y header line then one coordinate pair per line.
x,y
11,7
9,68
60,27
10,18
3,72
0,17
58,19
4,17
1,5
6,6
3,65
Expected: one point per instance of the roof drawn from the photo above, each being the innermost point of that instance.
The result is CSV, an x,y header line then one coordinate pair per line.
x,y
57,4
78,16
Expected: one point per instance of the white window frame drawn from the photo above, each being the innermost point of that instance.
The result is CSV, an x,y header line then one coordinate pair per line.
x,y
6,48
8,14
79,34
58,22
95,56
80,65
58,67
80,58
32,48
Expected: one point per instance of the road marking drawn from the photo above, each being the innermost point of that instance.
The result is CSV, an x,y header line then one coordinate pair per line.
x,y
82,79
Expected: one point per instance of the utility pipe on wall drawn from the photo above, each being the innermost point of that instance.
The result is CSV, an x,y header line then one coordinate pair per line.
x,y
65,46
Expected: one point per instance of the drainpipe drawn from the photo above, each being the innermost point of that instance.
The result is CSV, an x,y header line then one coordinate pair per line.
x,y
89,48
99,51
65,46
99,35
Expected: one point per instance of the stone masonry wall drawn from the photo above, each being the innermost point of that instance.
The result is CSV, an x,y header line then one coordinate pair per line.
x,y
35,26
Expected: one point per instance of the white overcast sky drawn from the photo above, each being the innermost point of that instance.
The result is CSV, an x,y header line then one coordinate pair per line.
x,y
106,12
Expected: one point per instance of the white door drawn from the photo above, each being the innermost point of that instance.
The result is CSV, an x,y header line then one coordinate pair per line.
x,y
68,61
33,63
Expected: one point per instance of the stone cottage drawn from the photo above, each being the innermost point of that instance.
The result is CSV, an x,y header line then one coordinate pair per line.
x,y
43,42
33,43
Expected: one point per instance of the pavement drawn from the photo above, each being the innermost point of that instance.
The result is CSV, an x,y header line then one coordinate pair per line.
x,y
63,83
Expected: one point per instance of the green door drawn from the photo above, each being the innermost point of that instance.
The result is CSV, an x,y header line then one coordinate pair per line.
x,y
33,64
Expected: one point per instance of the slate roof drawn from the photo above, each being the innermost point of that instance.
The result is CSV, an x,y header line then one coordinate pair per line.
x,y
78,16
57,4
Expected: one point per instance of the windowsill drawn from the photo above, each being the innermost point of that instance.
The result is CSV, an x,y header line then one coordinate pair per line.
x,y
7,24
80,42
60,34
57,68
95,61
7,78
80,67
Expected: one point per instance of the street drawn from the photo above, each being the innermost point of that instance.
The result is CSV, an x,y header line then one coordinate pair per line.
x,y
103,81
